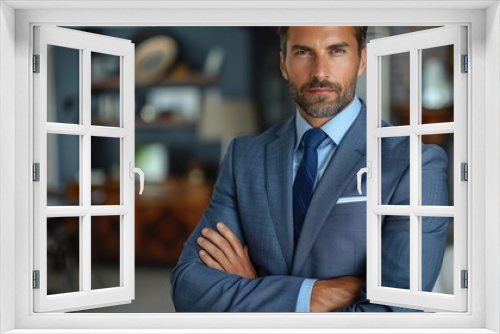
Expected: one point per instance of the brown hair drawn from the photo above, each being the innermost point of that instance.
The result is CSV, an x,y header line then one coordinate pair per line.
x,y
359,32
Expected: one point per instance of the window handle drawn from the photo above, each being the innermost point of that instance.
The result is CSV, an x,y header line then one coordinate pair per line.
x,y
368,171
138,171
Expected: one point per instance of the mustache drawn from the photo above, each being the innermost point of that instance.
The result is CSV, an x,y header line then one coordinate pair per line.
x,y
315,83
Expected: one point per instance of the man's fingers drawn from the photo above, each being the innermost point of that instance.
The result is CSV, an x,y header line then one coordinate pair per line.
x,y
209,261
219,241
218,252
214,251
246,251
231,238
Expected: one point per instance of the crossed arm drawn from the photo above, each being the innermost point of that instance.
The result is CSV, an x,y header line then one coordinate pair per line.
x,y
223,251
223,278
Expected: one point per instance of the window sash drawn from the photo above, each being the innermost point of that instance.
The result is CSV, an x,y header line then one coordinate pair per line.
x,y
413,298
86,43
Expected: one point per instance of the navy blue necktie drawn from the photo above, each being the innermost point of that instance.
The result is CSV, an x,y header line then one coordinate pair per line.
x,y
303,185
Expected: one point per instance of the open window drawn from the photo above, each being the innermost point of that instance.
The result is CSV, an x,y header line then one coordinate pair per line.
x,y
420,214
16,154
68,222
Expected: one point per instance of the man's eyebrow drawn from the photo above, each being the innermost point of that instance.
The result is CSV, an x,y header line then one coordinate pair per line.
x,y
339,45
300,47
330,47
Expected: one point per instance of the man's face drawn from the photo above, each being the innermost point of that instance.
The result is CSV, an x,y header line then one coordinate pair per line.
x,y
322,65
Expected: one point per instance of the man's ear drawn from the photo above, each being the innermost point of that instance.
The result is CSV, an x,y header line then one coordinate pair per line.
x,y
362,63
283,66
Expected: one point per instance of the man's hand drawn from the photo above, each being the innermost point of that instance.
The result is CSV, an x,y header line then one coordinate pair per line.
x,y
223,250
331,294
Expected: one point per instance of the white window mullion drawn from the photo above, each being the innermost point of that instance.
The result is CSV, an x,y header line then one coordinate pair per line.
x,y
107,131
432,129
415,267
85,254
85,166
414,172
406,210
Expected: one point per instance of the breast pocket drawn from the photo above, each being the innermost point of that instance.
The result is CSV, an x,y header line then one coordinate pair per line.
x,y
351,199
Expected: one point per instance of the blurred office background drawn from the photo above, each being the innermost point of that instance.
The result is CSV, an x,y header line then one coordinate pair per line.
x,y
196,88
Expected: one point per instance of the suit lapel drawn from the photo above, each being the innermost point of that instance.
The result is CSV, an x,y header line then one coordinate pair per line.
x,y
349,157
279,162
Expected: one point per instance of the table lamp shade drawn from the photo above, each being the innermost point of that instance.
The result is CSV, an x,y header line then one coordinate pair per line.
x,y
225,119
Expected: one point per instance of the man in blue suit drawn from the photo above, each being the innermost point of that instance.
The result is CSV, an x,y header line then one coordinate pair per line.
x,y
286,228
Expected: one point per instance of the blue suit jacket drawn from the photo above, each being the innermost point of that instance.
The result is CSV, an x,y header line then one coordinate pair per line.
x,y
253,196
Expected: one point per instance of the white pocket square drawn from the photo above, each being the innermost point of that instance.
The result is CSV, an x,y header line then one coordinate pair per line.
x,y
352,199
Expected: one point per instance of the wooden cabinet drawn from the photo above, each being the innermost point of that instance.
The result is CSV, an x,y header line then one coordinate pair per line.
x,y
165,215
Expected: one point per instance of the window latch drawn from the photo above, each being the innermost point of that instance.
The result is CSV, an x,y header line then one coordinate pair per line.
x,y
368,171
138,171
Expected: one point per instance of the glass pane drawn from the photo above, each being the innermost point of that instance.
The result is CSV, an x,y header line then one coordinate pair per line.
x,y
105,235
395,252
105,166
395,88
63,170
105,103
437,254
63,255
63,85
395,171
437,169
437,84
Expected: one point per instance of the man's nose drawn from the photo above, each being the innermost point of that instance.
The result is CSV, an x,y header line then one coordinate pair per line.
x,y
321,68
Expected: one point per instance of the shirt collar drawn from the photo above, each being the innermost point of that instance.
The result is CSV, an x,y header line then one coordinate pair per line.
x,y
335,128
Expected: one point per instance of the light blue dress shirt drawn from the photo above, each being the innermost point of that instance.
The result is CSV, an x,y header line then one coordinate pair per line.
x,y
335,129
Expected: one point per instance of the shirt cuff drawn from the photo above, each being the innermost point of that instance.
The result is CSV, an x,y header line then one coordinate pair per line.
x,y
304,299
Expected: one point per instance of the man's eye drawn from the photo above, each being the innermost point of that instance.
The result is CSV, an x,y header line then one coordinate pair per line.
x,y
302,53
338,51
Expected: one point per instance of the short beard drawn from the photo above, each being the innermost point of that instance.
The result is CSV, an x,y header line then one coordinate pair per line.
x,y
316,107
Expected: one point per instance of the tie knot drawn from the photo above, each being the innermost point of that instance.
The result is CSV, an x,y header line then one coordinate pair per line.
x,y
313,138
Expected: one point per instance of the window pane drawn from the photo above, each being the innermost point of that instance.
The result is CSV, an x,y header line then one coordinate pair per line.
x,y
437,84
395,252
437,169
395,154
63,255
63,85
105,89
63,170
105,171
105,235
395,88
437,254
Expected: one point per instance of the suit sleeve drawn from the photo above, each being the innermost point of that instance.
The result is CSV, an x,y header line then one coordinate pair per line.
x,y
396,233
197,288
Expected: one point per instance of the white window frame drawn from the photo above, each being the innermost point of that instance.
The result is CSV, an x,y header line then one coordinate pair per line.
x,y
483,21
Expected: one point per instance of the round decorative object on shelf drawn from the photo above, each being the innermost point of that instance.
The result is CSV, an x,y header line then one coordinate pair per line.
x,y
154,58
